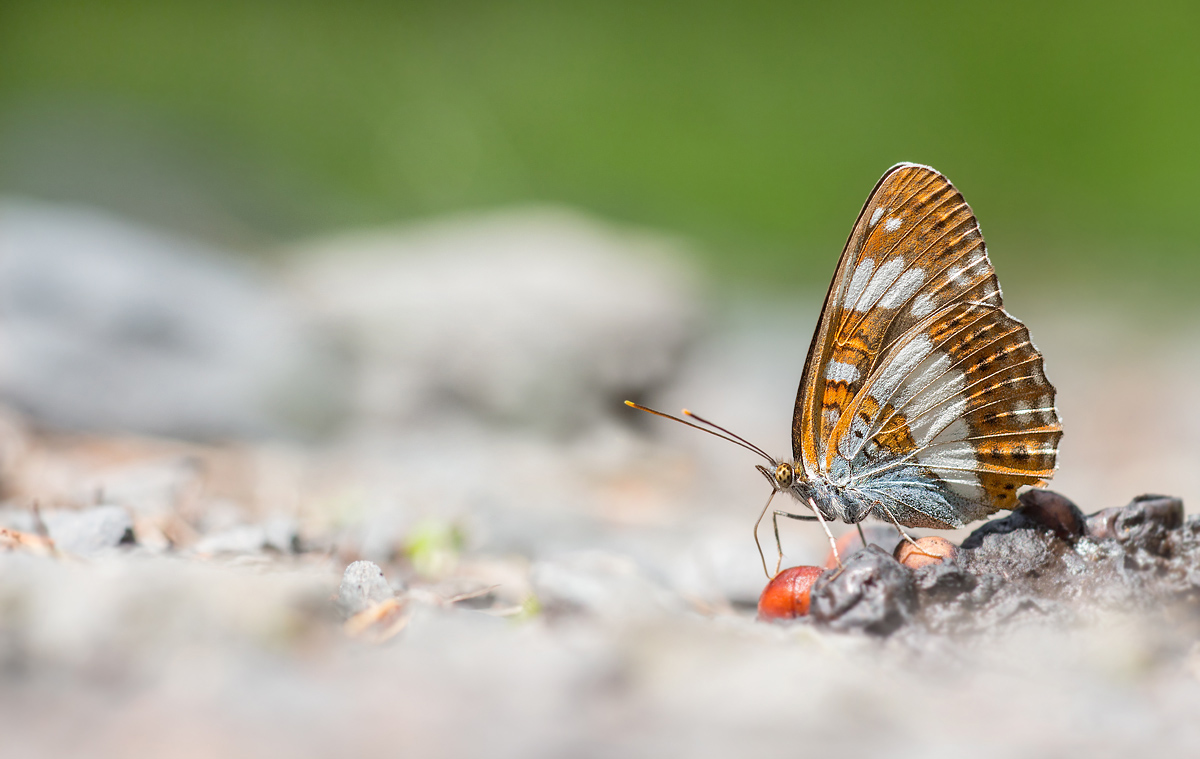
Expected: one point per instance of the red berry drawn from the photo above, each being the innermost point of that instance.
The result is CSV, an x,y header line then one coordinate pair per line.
x,y
786,595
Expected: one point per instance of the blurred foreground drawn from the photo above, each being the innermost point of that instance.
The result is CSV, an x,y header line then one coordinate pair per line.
x,y
195,450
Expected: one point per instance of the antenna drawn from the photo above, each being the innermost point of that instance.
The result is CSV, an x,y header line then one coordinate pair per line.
x,y
729,436
702,420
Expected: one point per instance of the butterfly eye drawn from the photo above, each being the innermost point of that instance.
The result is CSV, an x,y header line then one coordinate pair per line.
x,y
783,475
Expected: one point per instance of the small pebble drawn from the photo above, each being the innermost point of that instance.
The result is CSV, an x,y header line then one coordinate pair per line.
x,y
873,593
787,594
1053,510
281,534
278,534
90,531
363,586
931,549
1144,522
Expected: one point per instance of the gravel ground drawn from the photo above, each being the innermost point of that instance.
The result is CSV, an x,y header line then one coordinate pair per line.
x,y
456,570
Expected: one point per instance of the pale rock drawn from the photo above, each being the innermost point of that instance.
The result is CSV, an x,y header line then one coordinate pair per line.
x,y
109,326
539,316
363,585
89,531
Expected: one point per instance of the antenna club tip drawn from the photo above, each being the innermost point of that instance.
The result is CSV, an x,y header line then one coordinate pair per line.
x,y
631,404
685,411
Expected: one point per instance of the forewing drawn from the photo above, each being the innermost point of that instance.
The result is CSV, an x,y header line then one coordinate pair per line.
x,y
918,384
910,217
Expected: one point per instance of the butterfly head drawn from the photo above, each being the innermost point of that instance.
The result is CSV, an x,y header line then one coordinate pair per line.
x,y
782,477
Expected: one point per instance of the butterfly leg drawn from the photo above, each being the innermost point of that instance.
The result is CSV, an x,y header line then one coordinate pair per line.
x,y
778,544
904,535
841,566
775,522
832,543
761,555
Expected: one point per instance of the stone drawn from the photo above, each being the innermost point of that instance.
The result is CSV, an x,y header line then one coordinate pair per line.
x,y
1009,547
279,534
1143,523
363,585
873,593
110,326
1055,511
1185,549
90,531
987,585
948,595
1046,564
542,317
282,534
1042,510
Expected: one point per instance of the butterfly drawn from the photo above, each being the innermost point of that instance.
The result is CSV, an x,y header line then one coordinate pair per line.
x,y
923,403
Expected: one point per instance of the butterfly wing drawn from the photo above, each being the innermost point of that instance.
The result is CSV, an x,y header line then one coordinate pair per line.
x,y
921,396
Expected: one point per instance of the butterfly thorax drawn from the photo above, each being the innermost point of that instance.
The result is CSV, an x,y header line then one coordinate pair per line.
x,y
834,500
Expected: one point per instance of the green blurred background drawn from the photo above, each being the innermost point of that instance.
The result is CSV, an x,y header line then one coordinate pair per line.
x,y
752,129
